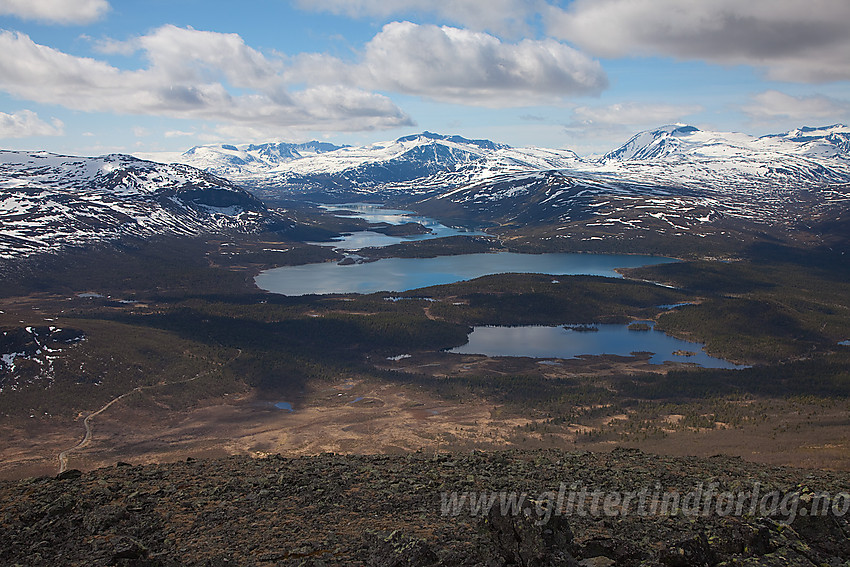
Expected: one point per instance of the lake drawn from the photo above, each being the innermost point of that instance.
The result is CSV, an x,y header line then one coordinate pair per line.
x,y
403,274
376,213
557,342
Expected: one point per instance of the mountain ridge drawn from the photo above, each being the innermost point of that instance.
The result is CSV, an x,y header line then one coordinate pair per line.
x,y
51,201
675,180
673,154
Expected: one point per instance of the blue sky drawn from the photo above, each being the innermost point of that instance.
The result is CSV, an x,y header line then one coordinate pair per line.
x,y
89,77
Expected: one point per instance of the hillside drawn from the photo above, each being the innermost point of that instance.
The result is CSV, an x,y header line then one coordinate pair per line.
x,y
678,182
713,190
50,202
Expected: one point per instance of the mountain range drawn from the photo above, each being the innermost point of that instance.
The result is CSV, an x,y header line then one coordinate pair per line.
x,y
672,180
51,201
675,180
674,154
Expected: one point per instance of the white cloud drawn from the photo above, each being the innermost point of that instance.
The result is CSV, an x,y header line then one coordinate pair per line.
x,y
192,55
26,123
508,16
190,74
632,113
215,77
64,12
774,104
793,40
461,66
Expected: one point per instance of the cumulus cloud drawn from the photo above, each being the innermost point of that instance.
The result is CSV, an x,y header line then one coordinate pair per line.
x,y
632,113
26,123
464,67
66,12
216,77
459,65
774,104
191,55
508,16
793,40
190,74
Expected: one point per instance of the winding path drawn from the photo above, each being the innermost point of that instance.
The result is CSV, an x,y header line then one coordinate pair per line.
x,y
63,456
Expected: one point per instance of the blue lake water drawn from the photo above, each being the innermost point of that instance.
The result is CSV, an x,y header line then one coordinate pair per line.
x,y
557,342
375,214
403,274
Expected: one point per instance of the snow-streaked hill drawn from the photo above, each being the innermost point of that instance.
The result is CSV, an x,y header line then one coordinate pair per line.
x,y
243,161
50,201
686,155
672,180
670,156
432,159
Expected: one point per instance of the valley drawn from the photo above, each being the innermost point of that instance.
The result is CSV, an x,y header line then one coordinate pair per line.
x,y
339,360
550,283
177,334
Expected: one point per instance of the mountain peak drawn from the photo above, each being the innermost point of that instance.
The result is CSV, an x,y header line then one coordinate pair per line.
x,y
809,133
652,143
82,200
483,144
678,129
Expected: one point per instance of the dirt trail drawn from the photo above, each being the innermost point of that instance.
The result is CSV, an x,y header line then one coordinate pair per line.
x,y
63,456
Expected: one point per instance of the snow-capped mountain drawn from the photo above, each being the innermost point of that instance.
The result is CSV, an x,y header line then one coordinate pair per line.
x,y
679,143
678,175
685,154
49,201
674,180
671,156
431,159
247,160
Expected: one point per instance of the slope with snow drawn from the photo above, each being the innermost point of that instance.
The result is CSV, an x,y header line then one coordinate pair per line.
x,y
245,160
674,180
50,201
418,163
421,164
27,354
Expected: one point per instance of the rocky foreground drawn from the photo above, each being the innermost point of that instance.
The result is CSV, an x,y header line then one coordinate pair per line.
x,y
414,510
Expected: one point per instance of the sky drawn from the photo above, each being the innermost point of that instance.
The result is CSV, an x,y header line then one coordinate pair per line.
x,y
89,77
